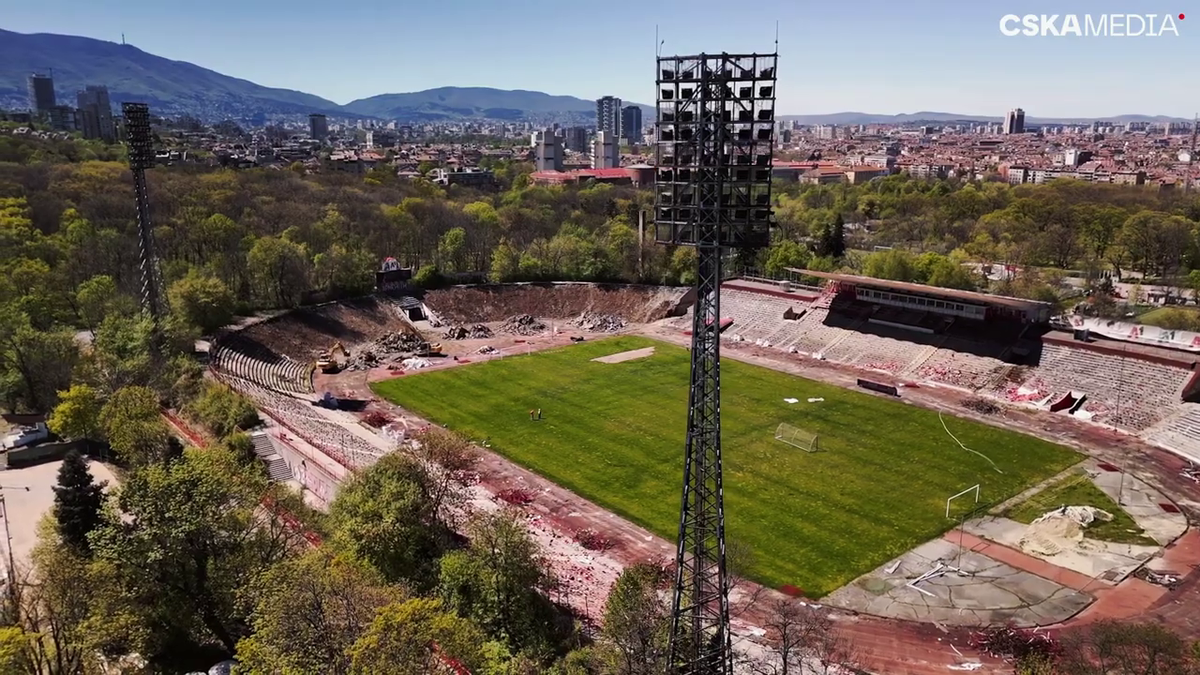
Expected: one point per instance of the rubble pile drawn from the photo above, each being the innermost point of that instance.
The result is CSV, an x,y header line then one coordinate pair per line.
x,y
486,349
981,406
384,349
593,540
522,324
515,496
600,323
475,332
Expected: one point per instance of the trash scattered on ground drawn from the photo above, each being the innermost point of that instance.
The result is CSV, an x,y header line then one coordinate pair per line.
x,y
593,540
486,349
791,400
385,348
415,363
522,324
515,496
474,332
601,323
816,400
1168,580
981,406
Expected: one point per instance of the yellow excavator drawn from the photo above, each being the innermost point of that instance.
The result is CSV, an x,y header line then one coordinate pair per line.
x,y
327,361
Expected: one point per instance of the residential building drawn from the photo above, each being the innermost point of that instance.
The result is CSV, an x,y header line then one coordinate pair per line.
x,y
631,124
41,94
547,151
861,174
95,115
606,154
318,127
608,115
576,139
1014,121
62,118
473,177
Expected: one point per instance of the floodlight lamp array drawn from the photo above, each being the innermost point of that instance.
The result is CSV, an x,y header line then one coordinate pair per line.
x,y
715,130
137,133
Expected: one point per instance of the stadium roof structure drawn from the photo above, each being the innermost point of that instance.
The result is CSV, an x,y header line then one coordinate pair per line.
x,y
908,287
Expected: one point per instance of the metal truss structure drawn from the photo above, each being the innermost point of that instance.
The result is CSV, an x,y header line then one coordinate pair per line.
x,y
141,157
715,137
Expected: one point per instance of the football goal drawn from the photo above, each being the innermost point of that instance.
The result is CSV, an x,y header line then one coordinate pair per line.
x,y
796,437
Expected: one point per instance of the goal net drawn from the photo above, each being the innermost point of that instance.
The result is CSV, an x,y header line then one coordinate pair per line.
x,y
796,437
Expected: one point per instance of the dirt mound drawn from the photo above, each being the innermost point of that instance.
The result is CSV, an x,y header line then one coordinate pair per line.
x,y
600,323
470,304
302,334
475,332
522,324
389,347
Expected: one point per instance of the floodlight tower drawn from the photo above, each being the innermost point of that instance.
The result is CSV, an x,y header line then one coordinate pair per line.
x,y
141,157
715,135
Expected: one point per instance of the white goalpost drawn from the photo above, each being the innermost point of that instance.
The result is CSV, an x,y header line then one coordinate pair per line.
x,y
797,437
973,488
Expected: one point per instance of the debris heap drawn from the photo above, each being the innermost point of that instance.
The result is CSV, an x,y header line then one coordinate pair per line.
x,y
600,323
522,324
981,406
384,349
475,332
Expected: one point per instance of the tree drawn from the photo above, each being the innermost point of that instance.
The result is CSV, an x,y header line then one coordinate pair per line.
x,y
429,277
344,269
182,543
783,254
385,517
308,612
636,623
55,604
415,637
279,271
222,410
134,427
95,299
77,414
77,503
496,583
806,640
451,250
34,364
896,264
449,461
1109,647
204,301
505,263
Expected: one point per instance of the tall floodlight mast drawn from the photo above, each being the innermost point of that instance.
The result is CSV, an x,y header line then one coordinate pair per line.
x,y
715,135
141,157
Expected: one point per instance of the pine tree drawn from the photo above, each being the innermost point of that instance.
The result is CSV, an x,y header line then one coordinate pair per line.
x,y
837,238
77,502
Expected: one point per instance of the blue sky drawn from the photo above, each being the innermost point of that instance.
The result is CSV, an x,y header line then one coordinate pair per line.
x,y
875,56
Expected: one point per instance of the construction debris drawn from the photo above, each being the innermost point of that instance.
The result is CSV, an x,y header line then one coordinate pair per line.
x,y
599,323
522,324
981,406
475,332
388,348
1166,579
1055,531
486,349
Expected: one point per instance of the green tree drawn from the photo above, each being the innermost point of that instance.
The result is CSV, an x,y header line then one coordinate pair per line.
x,y
384,516
222,410
505,263
77,503
203,301
279,271
95,299
496,583
34,364
783,254
452,249
77,414
683,265
896,264
309,611
636,623
133,424
415,637
183,543
345,269
429,276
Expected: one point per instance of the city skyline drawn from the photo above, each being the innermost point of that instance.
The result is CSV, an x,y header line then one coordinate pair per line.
x,y
882,58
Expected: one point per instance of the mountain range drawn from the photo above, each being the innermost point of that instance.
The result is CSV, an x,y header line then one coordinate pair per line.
x,y
177,87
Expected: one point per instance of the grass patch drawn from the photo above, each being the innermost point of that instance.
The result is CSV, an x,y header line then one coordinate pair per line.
x,y
614,434
1079,490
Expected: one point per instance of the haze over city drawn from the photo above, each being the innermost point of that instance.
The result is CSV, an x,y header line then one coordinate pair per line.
x,y
877,56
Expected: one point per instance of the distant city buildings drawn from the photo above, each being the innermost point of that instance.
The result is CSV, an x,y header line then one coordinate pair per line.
x,y
318,127
94,115
608,115
631,123
41,94
547,151
1014,121
576,139
606,153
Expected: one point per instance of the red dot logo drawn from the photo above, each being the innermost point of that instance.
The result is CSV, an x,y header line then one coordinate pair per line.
x,y
1181,17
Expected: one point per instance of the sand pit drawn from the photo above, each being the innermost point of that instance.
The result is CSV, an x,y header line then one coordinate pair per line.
x,y
630,355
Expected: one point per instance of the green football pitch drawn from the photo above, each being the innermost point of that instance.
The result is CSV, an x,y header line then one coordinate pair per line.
x,y
614,433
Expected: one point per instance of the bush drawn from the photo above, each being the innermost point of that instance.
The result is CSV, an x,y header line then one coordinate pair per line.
x,y
429,277
222,410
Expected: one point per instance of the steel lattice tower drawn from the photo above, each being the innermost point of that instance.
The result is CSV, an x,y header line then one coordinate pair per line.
x,y
141,157
715,126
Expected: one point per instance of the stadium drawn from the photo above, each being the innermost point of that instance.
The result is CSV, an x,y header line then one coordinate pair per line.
x,y
899,453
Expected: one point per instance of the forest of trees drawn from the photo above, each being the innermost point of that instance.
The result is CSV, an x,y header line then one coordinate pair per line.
x,y
183,564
